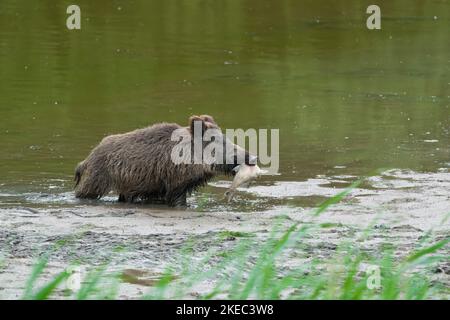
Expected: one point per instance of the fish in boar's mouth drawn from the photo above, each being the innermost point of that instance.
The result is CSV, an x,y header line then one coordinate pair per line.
x,y
243,174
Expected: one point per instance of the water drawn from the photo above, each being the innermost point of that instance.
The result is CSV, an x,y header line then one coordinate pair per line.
x,y
347,100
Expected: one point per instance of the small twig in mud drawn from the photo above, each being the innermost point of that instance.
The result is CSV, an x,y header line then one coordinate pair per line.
x,y
74,213
29,210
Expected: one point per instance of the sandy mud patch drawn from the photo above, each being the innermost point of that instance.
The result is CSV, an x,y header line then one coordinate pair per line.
x,y
400,205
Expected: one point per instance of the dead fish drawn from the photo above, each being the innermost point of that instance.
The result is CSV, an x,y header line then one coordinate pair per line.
x,y
244,174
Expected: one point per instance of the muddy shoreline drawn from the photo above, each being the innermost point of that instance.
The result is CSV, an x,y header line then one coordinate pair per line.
x,y
152,237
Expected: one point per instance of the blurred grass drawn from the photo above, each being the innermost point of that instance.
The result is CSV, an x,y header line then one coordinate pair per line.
x,y
252,269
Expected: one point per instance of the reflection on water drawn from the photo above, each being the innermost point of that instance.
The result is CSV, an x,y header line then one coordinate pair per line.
x,y
346,100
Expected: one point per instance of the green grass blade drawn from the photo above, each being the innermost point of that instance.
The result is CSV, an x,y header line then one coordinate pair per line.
x,y
45,291
37,270
428,250
337,198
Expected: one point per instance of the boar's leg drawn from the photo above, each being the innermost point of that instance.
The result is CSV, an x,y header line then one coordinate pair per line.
x,y
126,198
153,198
176,198
90,190
91,182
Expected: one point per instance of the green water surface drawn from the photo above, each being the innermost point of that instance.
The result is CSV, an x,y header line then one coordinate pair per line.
x,y
347,100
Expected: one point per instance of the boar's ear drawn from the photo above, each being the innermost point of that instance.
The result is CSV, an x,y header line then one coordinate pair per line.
x,y
208,118
195,123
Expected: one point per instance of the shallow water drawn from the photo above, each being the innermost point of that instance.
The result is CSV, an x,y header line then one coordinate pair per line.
x,y
347,100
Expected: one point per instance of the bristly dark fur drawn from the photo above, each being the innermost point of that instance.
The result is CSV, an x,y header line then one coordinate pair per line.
x,y
138,166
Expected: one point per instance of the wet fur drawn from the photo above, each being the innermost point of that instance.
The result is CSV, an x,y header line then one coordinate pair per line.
x,y
137,165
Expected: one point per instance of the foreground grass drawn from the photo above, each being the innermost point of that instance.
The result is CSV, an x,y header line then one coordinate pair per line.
x,y
252,269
